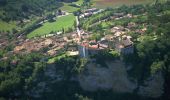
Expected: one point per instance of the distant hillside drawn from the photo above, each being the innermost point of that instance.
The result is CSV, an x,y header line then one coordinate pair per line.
x,y
17,9
116,3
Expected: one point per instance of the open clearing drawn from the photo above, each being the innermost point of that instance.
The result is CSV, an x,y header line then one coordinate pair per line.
x,y
116,3
69,8
79,2
61,22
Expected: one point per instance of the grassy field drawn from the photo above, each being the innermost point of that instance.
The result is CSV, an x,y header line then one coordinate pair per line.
x,y
69,8
62,22
116,3
79,2
4,26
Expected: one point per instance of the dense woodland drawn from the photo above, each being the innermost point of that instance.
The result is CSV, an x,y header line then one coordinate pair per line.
x,y
19,9
20,73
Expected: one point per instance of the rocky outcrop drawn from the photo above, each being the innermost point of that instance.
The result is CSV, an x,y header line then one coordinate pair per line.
x,y
114,77
153,86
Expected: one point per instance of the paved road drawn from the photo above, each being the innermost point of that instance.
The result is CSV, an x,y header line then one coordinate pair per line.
x,y
78,30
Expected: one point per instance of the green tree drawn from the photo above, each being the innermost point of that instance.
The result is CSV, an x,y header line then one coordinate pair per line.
x,y
157,66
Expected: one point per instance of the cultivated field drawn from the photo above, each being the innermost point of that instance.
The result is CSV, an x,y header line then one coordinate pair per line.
x,y
61,22
116,3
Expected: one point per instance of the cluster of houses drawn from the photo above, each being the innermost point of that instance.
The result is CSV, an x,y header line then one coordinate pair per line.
x,y
121,41
81,45
75,44
90,12
51,45
78,43
118,41
117,16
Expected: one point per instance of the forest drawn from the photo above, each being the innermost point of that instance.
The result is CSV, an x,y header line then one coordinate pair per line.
x,y
19,9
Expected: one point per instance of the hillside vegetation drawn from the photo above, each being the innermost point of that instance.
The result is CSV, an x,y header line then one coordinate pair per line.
x,y
117,3
17,9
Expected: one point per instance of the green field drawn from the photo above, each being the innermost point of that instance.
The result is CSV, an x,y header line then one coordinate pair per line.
x,y
116,3
61,22
79,2
69,8
4,26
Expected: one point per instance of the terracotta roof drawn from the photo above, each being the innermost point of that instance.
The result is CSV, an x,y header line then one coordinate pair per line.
x,y
127,42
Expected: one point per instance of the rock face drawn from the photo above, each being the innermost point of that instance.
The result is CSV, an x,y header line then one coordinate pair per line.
x,y
153,86
114,77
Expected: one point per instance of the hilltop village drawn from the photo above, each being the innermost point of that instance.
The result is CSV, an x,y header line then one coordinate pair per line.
x,y
78,42
76,50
